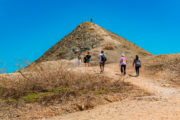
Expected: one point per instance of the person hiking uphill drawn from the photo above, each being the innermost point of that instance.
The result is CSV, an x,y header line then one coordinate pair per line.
x,y
88,59
137,64
79,60
85,60
123,62
102,60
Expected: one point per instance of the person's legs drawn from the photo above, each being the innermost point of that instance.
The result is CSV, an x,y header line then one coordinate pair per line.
x,y
100,67
88,62
79,63
103,66
137,70
85,64
121,68
124,69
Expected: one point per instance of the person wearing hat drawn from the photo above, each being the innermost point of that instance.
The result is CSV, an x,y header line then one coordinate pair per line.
x,y
123,62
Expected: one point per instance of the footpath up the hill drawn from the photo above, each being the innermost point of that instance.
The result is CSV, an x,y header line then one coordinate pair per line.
x,y
164,104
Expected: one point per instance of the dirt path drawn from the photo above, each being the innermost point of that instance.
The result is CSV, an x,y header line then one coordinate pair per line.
x,y
163,105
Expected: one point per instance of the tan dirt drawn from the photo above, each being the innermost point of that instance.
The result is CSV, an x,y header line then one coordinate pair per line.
x,y
163,105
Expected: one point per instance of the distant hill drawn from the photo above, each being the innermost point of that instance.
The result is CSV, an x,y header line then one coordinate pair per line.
x,y
93,38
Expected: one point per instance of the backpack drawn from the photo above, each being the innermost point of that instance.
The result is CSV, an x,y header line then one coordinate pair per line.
x,y
138,63
85,59
123,60
103,58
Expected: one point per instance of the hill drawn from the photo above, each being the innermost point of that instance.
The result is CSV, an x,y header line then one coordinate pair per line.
x,y
93,38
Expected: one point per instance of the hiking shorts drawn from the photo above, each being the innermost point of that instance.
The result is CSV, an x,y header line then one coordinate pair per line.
x,y
88,61
102,64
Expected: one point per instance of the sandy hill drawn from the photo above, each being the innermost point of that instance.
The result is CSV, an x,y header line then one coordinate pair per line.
x,y
88,36
93,38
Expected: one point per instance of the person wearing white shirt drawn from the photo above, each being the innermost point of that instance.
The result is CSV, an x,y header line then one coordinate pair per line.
x,y
102,60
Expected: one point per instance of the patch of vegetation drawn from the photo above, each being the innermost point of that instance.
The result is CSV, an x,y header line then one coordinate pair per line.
x,y
109,46
143,53
101,92
44,86
91,29
85,91
62,53
65,89
88,30
12,100
35,96
114,89
101,39
55,90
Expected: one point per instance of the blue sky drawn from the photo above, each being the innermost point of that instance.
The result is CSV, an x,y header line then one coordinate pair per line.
x,y
30,27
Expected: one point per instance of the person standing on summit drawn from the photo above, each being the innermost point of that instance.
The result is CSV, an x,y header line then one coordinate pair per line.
x,y
123,62
91,20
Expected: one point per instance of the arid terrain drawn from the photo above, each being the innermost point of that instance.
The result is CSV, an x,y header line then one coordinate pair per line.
x,y
54,88
163,104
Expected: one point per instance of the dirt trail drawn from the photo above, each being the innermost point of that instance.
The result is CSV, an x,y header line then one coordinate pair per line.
x,y
163,105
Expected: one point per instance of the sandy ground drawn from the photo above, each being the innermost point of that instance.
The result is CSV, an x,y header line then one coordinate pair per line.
x,y
163,105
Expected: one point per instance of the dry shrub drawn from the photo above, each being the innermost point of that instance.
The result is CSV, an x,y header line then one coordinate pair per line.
x,y
60,89
109,46
59,79
30,82
91,29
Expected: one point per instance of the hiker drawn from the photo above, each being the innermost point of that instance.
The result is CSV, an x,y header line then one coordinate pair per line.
x,y
137,64
88,59
123,62
85,60
79,60
102,60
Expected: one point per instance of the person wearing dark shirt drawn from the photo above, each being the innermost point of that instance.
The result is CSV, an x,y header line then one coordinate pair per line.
x,y
88,59
137,64
102,61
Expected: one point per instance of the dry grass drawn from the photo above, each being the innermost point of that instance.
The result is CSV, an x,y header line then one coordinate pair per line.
x,y
59,87
166,67
59,81
109,47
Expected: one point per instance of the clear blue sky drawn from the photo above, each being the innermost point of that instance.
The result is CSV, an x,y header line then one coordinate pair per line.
x,y
30,27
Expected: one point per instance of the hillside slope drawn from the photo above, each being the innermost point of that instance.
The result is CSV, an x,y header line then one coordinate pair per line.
x,y
166,67
93,38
